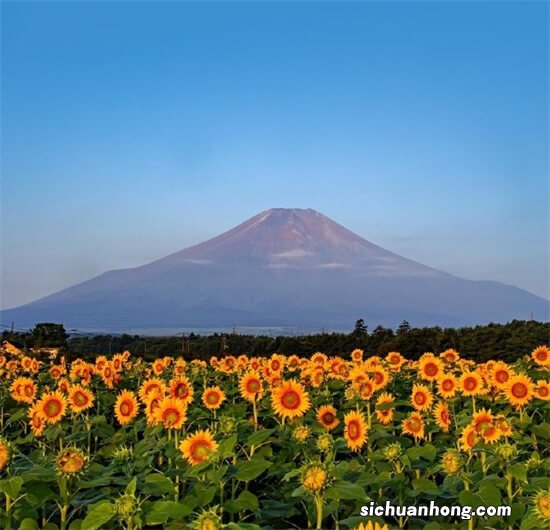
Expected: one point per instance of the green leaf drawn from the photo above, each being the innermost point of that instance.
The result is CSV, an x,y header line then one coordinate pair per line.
x,y
225,448
541,431
131,488
489,493
28,524
11,486
161,511
250,469
519,472
426,452
342,489
157,484
424,485
467,498
259,437
247,501
98,514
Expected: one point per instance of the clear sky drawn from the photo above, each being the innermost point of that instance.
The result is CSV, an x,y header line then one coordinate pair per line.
x,y
133,130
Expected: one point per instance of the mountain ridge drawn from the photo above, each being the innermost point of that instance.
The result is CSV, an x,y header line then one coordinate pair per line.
x,y
281,267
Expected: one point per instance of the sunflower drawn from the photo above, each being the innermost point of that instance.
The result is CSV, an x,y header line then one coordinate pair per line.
x,y
519,390
4,453
182,389
380,377
541,503
37,421
53,406
503,425
413,425
314,478
355,430
442,416
395,360
213,397
70,461
150,386
126,407
357,355
171,413
384,414
276,363
447,385
470,384
451,462
541,355
542,390
326,416
290,400
152,402
251,386
468,439
319,358
23,390
198,447
80,398
301,433
501,374
449,356
430,368
421,397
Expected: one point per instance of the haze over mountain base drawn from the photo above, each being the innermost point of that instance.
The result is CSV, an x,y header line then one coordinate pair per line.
x,y
284,268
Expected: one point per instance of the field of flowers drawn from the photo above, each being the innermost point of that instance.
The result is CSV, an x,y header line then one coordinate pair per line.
x,y
272,443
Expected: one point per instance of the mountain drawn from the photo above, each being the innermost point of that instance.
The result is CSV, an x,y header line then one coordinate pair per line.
x,y
289,268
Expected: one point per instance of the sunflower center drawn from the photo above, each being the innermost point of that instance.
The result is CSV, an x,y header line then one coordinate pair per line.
x,y
171,416
253,386
519,390
201,451
328,417
447,385
52,408
212,398
430,369
291,399
414,425
501,376
80,399
420,398
181,390
470,384
125,408
353,430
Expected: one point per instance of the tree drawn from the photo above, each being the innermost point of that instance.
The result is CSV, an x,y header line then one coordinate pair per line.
x,y
49,335
360,328
404,327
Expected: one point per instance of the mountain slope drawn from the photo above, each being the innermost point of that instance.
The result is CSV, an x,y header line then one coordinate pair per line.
x,y
283,267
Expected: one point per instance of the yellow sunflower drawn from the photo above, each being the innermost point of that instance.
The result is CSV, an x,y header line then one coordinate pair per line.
x,y
126,407
326,416
213,397
290,400
471,384
198,447
384,415
519,390
413,425
171,413
70,461
421,397
23,390
442,416
4,454
430,368
355,430
251,386
541,355
37,421
447,385
542,390
501,374
182,389
53,406
80,398
150,386
468,439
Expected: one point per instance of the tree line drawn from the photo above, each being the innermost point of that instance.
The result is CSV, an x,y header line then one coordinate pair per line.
x,y
483,342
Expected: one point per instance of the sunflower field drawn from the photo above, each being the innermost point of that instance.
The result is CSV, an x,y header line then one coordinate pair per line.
x,y
278,442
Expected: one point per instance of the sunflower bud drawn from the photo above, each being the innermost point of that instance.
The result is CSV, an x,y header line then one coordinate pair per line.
x,y
452,462
393,451
325,443
301,433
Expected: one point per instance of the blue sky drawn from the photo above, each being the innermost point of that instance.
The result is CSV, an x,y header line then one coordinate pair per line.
x,y
132,130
